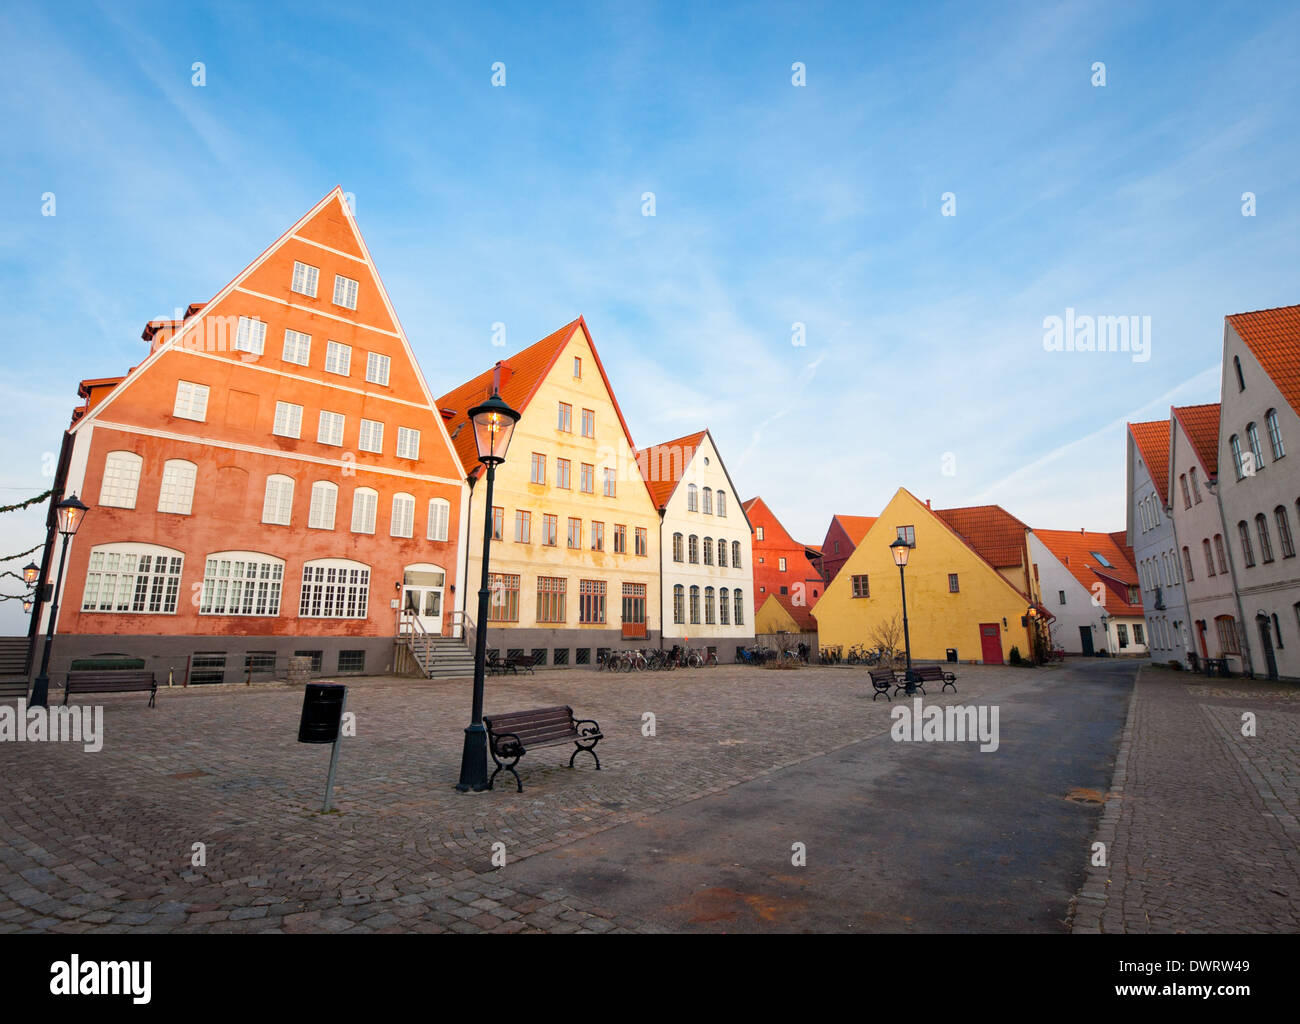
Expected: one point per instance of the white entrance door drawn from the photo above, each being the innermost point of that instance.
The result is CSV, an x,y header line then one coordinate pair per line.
x,y
422,587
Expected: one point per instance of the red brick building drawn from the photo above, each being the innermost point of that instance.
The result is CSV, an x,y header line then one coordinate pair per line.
x,y
843,535
271,479
781,564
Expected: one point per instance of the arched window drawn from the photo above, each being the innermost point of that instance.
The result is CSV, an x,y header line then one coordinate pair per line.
x,y
1187,566
177,492
127,577
1274,434
1234,442
121,479
1284,532
1277,632
722,550
693,549
738,605
679,603
677,547
1265,545
735,556
439,519
1187,495
1155,512
1209,556
334,588
1196,490
708,501
1252,434
710,613
692,498
695,606
722,503
402,523
1246,553
365,504
324,502
277,505
1241,381
1222,552
724,606
1164,569
241,583
708,550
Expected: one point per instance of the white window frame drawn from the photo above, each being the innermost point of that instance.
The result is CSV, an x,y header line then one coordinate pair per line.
x,y
439,519
334,588
374,362
323,509
325,432
365,508
408,443
370,438
338,358
297,347
288,420
120,486
250,335
241,583
308,276
402,521
132,578
277,501
176,493
349,287
191,401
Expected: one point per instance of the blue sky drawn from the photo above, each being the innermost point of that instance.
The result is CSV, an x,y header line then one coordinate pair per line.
x,y
775,204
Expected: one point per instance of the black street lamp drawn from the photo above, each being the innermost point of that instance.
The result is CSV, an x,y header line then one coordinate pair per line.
x,y
30,571
901,550
494,423
70,512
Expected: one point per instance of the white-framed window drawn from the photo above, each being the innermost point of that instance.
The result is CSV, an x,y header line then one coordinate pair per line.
x,y
241,583
191,401
142,578
330,430
251,335
439,518
377,367
177,492
277,506
297,347
408,443
338,358
334,588
305,277
365,503
288,420
403,520
722,503
371,437
324,502
121,479
692,498
345,291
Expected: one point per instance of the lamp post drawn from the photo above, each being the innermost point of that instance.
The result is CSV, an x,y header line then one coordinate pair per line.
x,y
494,423
70,514
900,549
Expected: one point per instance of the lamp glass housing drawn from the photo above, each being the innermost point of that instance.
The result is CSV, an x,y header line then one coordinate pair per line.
x,y
494,424
71,512
901,550
30,571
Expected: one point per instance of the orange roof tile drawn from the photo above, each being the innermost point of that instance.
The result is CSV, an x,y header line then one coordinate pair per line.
x,y
1201,424
1273,337
661,490
1152,440
990,530
856,526
1078,550
802,614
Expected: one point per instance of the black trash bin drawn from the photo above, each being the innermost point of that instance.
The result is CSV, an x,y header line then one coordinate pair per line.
x,y
952,655
322,711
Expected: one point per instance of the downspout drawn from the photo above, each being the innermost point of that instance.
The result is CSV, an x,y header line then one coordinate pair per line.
x,y
1186,642
465,533
662,593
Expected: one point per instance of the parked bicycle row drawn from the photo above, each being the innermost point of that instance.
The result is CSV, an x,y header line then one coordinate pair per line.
x,y
858,654
656,660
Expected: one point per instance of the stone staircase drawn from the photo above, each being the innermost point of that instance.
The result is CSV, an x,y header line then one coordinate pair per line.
x,y
13,656
430,655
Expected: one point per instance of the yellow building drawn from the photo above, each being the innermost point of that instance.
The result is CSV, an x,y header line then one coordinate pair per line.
x,y
955,598
575,553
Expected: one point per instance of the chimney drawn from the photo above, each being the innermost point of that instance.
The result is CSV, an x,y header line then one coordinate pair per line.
x,y
501,375
927,502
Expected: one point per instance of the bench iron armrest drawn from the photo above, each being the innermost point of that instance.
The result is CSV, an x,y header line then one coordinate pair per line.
x,y
587,721
507,744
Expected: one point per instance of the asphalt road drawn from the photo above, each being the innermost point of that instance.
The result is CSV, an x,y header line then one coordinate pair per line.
x,y
899,837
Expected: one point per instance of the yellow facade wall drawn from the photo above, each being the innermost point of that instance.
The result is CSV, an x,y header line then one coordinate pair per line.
x,y
937,618
772,618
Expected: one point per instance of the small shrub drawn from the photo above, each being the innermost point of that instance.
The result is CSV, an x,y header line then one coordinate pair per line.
x,y
1015,655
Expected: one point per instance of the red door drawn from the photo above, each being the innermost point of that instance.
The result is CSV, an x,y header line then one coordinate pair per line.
x,y
991,643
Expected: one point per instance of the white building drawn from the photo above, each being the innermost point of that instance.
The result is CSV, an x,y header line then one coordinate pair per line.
x,y
1149,532
1089,584
1259,490
707,575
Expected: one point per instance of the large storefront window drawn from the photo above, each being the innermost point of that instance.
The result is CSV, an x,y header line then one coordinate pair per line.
x,y
241,583
334,589
142,578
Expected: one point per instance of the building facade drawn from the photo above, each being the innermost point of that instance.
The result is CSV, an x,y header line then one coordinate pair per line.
x,y
575,549
1089,584
1259,491
1149,531
781,564
843,535
705,541
270,480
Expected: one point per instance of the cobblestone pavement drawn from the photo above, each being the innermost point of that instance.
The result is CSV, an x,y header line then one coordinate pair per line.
x,y
104,840
1201,824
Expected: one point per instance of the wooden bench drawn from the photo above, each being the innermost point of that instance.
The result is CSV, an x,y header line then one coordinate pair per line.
x,y
935,674
13,688
917,681
882,679
110,682
517,661
512,735
494,664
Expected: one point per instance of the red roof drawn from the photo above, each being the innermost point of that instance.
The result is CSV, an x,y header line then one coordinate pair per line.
x,y
990,530
1152,440
856,526
802,614
663,485
1273,337
1078,551
1201,424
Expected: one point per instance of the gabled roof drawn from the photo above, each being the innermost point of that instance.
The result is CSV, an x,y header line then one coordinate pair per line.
x,y
1152,440
1273,337
855,527
1077,550
1201,425
661,491
994,533
802,614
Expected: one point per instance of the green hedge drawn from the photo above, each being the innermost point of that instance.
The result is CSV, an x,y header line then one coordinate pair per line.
x,y
106,664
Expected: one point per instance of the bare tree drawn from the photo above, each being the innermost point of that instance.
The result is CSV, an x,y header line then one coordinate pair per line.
x,y
888,634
